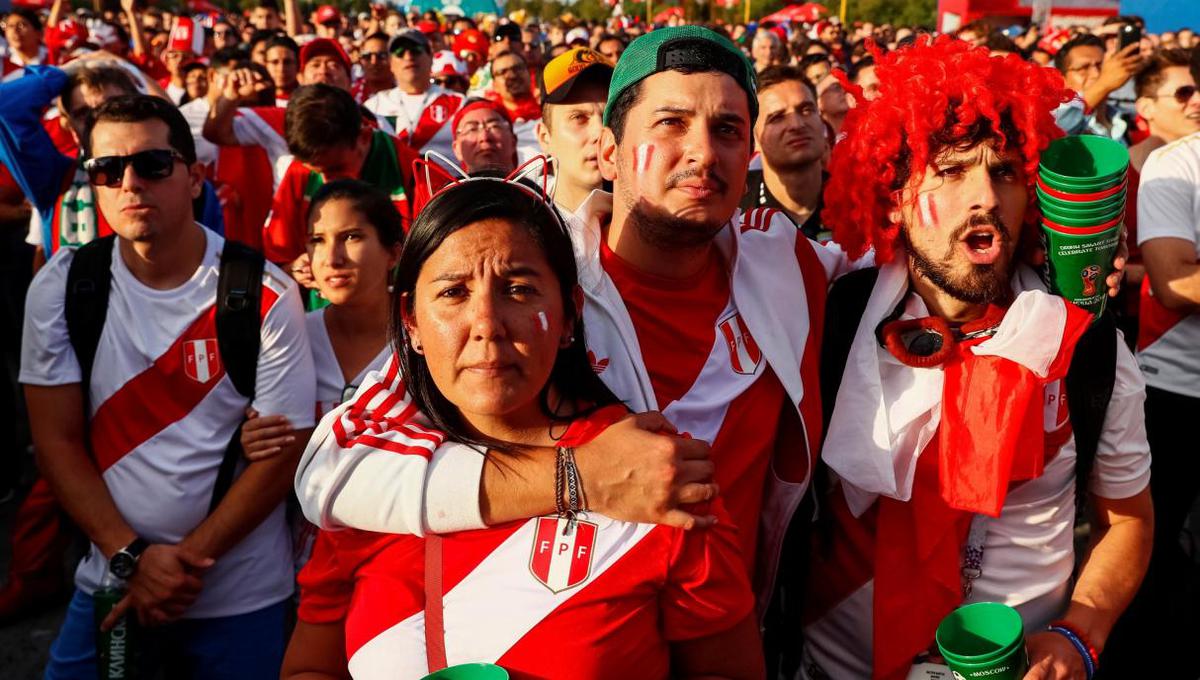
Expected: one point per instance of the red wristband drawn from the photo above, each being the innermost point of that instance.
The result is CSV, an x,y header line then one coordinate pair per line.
x,y
1075,629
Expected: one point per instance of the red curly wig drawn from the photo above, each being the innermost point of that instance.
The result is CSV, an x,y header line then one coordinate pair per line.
x,y
931,95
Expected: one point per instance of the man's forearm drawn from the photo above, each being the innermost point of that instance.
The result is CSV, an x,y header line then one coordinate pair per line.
x,y
218,127
78,486
1111,575
1182,292
251,498
517,486
1096,95
56,421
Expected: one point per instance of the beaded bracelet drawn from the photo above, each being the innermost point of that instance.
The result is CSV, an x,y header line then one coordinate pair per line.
x,y
568,487
1086,651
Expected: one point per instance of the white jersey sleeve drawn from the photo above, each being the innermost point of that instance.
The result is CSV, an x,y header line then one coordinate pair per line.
x,y
371,464
1122,467
1169,192
47,357
286,382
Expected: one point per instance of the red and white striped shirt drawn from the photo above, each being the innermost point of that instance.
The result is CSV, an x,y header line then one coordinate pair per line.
x,y
163,411
604,601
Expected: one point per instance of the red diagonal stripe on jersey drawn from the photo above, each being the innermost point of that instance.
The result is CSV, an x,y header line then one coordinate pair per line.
x,y
115,432
159,396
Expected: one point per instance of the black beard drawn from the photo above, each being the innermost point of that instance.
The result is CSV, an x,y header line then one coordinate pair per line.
x,y
666,231
674,231
982,284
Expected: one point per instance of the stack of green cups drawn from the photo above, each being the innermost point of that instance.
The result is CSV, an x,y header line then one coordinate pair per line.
x,y
984,641
1081,187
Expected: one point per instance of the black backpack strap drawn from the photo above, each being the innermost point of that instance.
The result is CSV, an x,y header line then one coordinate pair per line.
x,y
1089,386
89,281
844,308
239,326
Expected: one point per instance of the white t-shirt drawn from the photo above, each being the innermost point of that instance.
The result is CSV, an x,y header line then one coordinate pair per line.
x,y
332,388
195,113
1169,207
1029,550
163,411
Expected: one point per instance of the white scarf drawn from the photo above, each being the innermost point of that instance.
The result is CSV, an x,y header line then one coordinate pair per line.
x,y
887,413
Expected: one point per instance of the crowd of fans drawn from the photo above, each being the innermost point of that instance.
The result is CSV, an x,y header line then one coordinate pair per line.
x,y
274,280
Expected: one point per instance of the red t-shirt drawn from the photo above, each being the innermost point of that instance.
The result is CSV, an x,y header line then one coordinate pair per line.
x,y
677,322
603,601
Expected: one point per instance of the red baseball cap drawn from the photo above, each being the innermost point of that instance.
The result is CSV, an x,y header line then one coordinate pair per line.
x,y
429,27
471,41
324,47
328,14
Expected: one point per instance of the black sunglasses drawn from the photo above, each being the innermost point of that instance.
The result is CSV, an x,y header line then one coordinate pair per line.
x,y
109,171
401,49
1183,94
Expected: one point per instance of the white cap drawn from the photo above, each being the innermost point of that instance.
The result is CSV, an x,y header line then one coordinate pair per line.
x,y
446,64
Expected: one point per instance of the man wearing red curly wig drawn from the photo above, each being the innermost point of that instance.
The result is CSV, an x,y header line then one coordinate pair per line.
x,y
951,447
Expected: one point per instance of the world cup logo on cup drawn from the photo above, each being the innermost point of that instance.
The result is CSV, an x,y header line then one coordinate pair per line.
x,y
1090,275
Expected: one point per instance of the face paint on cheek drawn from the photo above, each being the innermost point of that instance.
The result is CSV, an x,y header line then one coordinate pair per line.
x,y
545,323
641,159
929,214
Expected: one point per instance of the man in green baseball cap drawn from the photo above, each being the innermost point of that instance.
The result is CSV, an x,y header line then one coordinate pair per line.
x,y
678,131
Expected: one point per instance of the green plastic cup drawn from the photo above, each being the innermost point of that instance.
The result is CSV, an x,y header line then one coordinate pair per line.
x,y
1085,217
984,641
1082,219
1083,159
470,671
1083,186
1078,261
1076,195
1050,202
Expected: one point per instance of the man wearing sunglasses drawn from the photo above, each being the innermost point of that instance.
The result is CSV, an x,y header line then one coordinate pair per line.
x,y
142,495
376,72
1167,101
418,110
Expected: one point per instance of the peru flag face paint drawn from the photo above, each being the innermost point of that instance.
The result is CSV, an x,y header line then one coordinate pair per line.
x,y
929,213
543,322
642,159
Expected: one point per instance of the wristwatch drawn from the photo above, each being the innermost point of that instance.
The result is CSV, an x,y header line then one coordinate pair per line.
x,y
123,563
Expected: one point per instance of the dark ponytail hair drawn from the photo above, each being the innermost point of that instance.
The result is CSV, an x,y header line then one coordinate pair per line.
x,y
462,205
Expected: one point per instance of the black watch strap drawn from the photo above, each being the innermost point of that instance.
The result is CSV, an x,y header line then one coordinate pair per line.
x,y
137,547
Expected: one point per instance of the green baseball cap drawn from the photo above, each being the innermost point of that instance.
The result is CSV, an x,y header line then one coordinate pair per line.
x,y
666,48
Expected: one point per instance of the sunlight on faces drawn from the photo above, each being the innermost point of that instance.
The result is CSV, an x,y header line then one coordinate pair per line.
x,y
963,219
1083,67
573,136
510,77
281,64
1165,114
789,130
326,69
488,315
411,69
492,145
349,262
699,127
142,209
